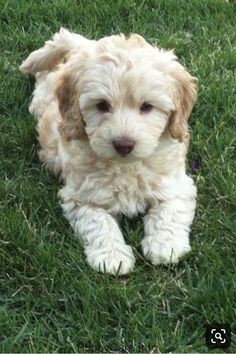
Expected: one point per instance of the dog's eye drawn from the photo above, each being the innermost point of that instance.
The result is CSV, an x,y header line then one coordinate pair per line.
x,y
146,107
103,106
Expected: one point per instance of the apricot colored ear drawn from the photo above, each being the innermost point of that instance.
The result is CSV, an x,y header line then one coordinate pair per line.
x,y
184,96
72,126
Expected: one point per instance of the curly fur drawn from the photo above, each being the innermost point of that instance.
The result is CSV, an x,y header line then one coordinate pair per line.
x,y
73,74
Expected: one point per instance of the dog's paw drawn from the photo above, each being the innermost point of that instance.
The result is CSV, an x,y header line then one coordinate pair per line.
x,y
117,258
164,250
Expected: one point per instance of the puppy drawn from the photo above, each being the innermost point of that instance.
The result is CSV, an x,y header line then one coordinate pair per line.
x,y
112,121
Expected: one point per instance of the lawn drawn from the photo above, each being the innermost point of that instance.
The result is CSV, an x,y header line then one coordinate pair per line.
x,y
50,300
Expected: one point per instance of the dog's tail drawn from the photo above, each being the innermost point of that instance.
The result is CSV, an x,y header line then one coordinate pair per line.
x,y
53,52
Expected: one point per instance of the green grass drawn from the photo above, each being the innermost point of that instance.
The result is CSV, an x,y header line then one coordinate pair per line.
x,y
50,300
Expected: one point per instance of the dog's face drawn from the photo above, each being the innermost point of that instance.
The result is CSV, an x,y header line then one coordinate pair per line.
x,y
122,95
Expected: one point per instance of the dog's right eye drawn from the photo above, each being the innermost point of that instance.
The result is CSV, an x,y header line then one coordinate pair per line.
x,y
146,107
103,106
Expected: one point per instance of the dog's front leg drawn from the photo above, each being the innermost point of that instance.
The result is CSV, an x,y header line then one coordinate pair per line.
x,y
167,226
103,242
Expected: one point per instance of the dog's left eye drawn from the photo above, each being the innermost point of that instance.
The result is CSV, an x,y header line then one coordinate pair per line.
x,y
146,107
103,106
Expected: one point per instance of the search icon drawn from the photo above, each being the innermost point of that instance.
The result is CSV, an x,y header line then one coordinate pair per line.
x,y
218,336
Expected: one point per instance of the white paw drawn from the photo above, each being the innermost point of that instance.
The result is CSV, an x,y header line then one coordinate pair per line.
x,y
111,258
164,250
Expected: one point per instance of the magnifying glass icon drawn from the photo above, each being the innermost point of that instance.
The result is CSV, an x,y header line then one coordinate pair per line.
x,y
218,336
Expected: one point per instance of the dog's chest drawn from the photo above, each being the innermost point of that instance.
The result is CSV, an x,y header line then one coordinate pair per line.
x,y
118,190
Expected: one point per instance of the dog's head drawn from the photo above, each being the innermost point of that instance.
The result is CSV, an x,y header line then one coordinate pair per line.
x,y
122,94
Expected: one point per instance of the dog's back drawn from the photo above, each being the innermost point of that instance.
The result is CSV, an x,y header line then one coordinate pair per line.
x,y
45,64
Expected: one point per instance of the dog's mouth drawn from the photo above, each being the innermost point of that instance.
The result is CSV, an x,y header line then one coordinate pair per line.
x,y
126,158
121,150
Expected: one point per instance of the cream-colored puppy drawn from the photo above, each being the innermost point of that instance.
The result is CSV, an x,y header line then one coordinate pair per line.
x,y
112,120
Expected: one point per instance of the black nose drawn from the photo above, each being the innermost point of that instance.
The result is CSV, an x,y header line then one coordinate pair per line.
x,y
123,145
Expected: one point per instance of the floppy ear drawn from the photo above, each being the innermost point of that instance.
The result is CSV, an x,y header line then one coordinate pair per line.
x,y
184,96
72,126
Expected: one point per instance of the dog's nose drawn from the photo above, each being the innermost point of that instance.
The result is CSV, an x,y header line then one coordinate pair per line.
x,y
123,145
